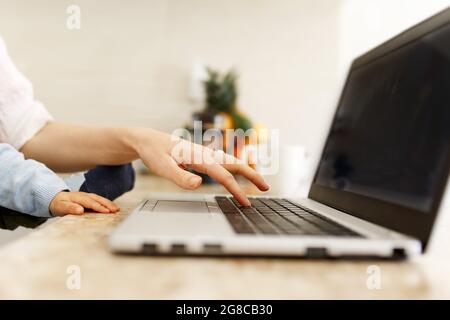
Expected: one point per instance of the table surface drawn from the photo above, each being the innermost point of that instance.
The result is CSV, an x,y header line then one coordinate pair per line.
x,y
39,265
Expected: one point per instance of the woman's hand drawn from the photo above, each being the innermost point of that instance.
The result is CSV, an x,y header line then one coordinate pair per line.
x,y
82,148
169,157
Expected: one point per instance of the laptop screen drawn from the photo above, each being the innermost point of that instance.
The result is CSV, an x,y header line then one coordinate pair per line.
x,y
390,138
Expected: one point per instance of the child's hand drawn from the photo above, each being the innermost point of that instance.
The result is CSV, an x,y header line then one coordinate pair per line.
x,y
75,203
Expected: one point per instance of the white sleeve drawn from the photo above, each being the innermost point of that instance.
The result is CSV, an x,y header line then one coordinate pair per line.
x,y
21,117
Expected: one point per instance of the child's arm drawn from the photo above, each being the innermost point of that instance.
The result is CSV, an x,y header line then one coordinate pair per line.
x,y
30,187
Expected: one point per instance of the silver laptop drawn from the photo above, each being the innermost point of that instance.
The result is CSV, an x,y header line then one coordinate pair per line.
x,y
378,185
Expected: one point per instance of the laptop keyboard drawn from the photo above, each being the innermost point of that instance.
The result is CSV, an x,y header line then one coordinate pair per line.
x,y
272,216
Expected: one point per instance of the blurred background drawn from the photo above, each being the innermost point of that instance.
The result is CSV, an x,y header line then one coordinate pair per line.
x,y
133,63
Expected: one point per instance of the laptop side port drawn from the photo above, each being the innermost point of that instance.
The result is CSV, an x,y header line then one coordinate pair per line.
x,y
316,253
212,248
178,248
149,248
399,254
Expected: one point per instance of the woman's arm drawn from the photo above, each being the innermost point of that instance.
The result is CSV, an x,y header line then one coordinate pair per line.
x,y
70,148
65,148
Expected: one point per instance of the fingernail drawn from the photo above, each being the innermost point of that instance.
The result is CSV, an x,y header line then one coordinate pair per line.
x,y
194,182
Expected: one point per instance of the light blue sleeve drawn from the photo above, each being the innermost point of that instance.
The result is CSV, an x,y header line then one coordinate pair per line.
x,y
26,185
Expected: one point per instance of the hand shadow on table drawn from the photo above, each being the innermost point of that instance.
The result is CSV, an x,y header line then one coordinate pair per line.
x,y
11,220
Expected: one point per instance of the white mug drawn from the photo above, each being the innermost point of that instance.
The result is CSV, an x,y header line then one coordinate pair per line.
x,y
291,178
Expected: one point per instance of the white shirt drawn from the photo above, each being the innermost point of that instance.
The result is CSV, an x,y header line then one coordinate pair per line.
x,y
25,185
21,117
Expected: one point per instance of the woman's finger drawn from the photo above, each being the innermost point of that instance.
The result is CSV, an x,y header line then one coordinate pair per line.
x,y
180,176
224,177
249,173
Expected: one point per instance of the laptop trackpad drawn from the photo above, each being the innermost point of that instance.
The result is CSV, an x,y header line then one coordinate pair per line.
x,y
181,206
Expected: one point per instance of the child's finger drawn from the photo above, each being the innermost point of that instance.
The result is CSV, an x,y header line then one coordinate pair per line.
x,y
87,202
105,202
65,207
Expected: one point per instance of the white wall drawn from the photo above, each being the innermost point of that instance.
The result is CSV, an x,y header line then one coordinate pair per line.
x,y
364,24
131,61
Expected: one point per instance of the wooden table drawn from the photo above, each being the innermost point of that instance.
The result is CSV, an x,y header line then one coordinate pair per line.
x,y
37,265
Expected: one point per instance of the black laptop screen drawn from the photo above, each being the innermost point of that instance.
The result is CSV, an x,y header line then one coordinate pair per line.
x,y
390,137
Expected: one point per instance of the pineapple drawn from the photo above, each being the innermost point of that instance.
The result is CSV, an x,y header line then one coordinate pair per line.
x,y
221,97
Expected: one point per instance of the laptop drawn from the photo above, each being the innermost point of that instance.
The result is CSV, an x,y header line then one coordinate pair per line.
x,y
378,185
